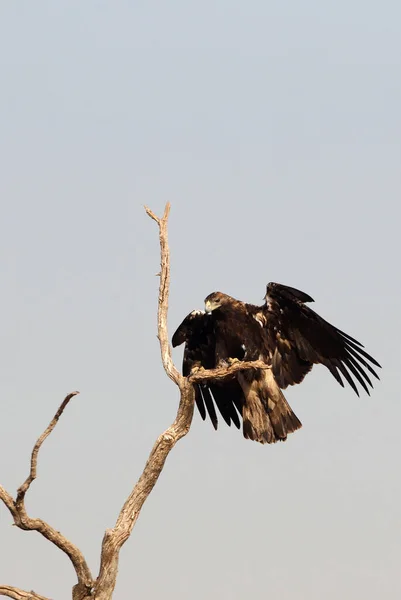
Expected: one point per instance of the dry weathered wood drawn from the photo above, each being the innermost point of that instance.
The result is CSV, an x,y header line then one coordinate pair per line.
x,y
115,538
34,456
164,290
8,500
23,521
17,594
224,372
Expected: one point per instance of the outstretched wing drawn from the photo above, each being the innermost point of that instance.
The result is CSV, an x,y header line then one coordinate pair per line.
x,y
196,331
298,338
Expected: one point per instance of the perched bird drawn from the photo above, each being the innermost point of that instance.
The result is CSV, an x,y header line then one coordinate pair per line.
x,y
284,333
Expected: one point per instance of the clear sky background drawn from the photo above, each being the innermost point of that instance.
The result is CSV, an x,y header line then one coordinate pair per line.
x,y
274,129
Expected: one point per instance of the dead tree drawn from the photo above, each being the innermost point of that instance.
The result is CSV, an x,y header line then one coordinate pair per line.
x,y
102,586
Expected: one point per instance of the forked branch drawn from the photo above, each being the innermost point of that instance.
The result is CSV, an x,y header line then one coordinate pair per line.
x,y
23,521
113,540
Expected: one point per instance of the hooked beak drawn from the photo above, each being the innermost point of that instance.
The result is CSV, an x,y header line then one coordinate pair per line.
x,y
208,307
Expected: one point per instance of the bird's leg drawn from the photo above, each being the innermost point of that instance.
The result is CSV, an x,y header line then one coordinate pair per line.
x,y
232,361
197,369
227,362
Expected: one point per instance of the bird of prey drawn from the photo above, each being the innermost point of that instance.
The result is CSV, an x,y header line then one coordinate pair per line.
x,y
284,333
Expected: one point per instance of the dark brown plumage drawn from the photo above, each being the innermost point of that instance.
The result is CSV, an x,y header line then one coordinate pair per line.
x,y
196,331
287,335
298,338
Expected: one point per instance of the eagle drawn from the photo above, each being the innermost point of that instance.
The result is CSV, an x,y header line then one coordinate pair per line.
x,y
284,333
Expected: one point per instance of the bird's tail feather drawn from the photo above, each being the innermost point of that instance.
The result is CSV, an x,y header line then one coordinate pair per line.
x,y
267,416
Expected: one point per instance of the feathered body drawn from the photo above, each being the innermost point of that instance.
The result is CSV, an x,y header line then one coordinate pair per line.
x,y
284,333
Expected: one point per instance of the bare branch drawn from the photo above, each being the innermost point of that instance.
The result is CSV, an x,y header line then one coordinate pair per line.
x,y
17,594
8,500
223,372
115,538
34,457
164,289
152,215
23,521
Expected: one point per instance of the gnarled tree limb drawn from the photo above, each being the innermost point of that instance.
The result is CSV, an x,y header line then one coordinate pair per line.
x,y
8,500
115,538
17,594
34,456
23,521
224,372
164,290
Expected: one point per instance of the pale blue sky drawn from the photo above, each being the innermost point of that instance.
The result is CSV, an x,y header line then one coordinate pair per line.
x,y
274,130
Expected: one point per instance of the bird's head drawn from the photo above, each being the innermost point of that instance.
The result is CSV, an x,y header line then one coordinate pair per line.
x,y
216,300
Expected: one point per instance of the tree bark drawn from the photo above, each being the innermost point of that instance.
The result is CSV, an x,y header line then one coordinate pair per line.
x,y
101,588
